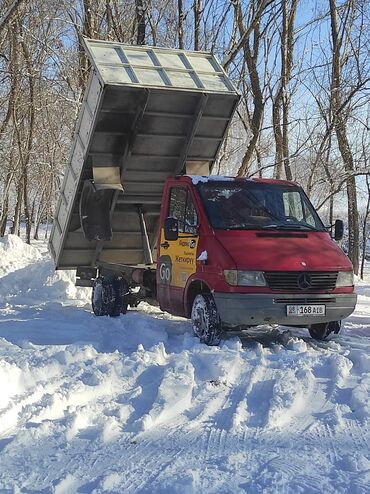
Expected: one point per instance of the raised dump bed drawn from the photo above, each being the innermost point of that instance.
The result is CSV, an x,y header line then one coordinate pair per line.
x,y
148,113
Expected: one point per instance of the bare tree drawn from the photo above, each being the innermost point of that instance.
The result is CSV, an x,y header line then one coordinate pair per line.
x,y
250,38
340,123
10,14
365,227
281,100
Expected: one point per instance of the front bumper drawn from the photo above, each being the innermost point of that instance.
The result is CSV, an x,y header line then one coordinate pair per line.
x,y
244,309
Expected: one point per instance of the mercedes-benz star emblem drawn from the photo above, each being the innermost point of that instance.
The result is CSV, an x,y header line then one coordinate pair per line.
x,y
304,281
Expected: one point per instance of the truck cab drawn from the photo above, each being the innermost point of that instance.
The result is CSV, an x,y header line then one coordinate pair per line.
x,y
235,253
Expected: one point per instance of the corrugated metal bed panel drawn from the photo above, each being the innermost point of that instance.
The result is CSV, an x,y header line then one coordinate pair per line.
x,y
157,67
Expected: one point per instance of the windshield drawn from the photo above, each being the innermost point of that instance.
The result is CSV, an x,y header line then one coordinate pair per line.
x,y
256,205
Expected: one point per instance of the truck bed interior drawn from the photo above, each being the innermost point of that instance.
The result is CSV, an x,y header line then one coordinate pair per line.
x,y
148,113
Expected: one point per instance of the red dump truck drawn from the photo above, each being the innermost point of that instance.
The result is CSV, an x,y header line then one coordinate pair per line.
x,y
140,218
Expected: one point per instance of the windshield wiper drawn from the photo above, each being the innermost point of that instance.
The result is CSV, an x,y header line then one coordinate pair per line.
x,y
242,227
290,227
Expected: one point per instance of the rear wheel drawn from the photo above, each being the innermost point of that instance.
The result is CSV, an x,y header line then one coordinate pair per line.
x,y
109,296
121,291
205,319
322,331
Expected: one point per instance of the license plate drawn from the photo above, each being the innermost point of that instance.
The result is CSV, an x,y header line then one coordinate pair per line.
x,y
305,310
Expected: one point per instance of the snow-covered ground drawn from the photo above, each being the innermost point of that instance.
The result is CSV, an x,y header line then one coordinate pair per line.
x,y
136,404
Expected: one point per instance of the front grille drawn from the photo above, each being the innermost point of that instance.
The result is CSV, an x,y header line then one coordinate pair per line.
x,y
305,300
301,280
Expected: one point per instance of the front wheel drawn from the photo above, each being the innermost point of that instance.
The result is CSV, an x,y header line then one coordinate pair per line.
x,y
205,319
322,330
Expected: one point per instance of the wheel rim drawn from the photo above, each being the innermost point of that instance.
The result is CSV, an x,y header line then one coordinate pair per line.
x,y
98,296
206,322
200,322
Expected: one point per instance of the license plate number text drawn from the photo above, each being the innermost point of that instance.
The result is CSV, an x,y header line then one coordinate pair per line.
x,y
305,310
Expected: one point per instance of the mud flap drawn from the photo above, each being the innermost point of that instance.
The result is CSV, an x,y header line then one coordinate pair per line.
x,y
95,205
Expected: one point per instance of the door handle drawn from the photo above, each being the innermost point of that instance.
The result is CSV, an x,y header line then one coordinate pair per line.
x,y
165,245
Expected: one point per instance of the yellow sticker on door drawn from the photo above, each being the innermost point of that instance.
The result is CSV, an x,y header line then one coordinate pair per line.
x,y
177,259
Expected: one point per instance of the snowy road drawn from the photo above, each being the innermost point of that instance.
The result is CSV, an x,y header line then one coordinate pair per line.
x,y
137,405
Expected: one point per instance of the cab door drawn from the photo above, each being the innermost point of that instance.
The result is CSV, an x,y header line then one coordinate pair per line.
x,y
177,258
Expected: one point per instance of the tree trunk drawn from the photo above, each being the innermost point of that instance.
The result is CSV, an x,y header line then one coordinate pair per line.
x,y
3,222
250,39
15,229
39,214
342,138
110,21
251,58
180,25
331,182
25,157
13,71
197,8
88,32
286,159
364,228
5,204
9,14
48,218
27,210
276,119
140,22
280,106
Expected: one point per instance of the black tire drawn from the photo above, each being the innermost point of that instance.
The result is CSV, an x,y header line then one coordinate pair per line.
x,y
109,296
205,319
322,330
103,297
120,286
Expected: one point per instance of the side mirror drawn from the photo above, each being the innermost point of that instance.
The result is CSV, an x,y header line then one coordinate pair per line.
x,y
171,229
338,230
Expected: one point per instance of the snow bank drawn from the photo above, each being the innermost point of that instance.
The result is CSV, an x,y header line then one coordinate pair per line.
x,y
16,254
28,277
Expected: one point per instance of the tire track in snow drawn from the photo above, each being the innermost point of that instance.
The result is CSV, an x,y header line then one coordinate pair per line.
x,y
218,419
228,395
212,441
24,406
145,465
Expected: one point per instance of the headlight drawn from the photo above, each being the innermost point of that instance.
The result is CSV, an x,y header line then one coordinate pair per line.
x,y
244,278
345,278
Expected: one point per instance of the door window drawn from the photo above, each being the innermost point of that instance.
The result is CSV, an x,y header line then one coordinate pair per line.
x,y
182,208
